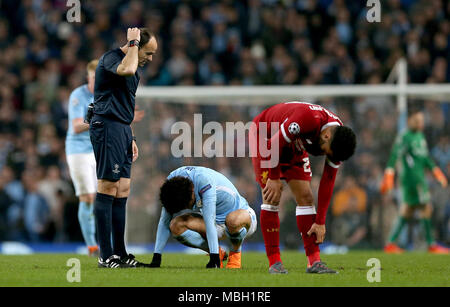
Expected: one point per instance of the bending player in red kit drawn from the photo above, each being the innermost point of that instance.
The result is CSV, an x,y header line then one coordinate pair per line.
x,y
281,138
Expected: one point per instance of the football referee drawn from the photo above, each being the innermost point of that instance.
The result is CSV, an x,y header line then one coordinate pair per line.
x,y
113,141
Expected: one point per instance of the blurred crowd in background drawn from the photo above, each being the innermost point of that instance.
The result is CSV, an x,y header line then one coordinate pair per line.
x,y
206,42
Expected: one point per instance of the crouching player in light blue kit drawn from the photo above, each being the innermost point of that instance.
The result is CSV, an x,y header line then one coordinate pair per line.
x,y
201,206
80,157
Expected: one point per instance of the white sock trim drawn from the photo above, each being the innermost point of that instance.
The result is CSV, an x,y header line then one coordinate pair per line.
x,y
332,164
305,210
269,208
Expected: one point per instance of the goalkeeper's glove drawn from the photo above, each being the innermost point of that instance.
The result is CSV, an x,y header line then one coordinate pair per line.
x,y
439,175
214,261
388,181
156,261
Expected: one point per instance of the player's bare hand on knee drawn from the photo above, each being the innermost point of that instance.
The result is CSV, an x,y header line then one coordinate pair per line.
x,y
272,191
133,33
319,231
135,151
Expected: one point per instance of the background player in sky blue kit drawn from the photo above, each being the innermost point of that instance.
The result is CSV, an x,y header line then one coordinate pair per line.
x,y
115,147
201,206
80,156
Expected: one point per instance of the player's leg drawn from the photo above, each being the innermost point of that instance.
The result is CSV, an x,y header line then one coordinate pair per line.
x,y
189,230
239,224
412,198
426,212
87,221
425,218
298,175
405,214
270,228
84,178
305,215
269,219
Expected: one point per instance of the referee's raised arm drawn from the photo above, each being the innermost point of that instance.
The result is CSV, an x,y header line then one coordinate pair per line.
x,y
130,62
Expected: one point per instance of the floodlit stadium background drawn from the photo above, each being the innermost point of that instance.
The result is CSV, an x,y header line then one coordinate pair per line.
x,y
248,43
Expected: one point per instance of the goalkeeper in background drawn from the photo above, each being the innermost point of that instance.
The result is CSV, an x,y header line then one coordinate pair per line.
x,y
411,148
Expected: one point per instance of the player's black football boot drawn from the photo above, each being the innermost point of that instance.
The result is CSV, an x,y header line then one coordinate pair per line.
x,y
320,267
132,262
112,262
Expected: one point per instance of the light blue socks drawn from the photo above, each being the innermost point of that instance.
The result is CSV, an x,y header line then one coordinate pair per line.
x,y
87,223
193,239
237,238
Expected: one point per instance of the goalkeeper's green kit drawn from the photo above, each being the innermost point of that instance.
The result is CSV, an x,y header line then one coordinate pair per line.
x,y
411,148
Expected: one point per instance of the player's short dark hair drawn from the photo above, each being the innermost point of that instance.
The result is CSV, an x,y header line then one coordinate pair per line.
x,y
146,36
343,143
176,194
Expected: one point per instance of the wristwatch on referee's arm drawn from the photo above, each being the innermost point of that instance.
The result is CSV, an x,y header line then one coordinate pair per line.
x,y
134,138
133,42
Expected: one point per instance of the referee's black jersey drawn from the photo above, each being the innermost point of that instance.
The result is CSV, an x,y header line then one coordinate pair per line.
x,y
114,95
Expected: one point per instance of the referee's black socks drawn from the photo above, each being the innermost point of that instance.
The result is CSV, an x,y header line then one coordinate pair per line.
x,y
118,226
103,221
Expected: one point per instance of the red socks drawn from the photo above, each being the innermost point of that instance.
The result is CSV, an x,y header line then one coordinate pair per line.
x,y
305,219
270,227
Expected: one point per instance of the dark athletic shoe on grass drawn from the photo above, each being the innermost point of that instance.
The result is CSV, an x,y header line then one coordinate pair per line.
x,y
112,262
320,267
132,262
277,268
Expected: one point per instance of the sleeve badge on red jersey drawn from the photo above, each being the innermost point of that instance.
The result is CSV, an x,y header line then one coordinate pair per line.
x,y
294,128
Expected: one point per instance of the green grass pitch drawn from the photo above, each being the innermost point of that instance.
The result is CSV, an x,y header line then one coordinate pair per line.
x,y
183,270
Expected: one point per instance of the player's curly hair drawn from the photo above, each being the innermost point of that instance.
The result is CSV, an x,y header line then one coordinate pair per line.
x,y
343,143
176,194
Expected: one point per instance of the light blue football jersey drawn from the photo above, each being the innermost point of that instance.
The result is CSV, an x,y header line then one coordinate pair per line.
x,y
79,100
215,198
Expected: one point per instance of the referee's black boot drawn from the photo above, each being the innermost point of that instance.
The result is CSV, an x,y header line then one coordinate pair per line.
x,y
130,260
113,262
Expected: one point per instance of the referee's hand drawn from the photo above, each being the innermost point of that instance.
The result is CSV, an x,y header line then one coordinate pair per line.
x,y
133,33
135,151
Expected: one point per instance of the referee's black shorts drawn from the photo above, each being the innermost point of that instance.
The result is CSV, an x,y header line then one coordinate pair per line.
x,y
113,148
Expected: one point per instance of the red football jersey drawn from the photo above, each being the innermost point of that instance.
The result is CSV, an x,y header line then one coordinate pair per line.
x,y
298,122
301,123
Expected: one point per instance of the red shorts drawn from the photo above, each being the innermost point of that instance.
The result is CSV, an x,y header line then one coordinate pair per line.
x,y
294,164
